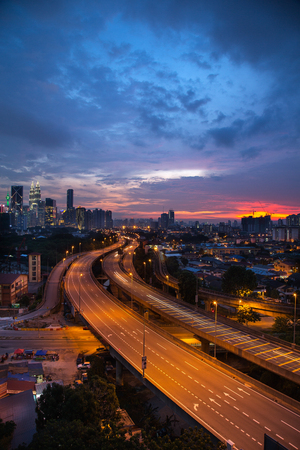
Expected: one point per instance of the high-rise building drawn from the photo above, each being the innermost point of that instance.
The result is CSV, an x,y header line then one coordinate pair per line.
x,y
16,198
164,221
293,220
171,217
108,219
50,212
98,218
256,224
70,198
80,217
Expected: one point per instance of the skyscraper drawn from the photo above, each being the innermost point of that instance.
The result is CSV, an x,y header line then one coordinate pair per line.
x,y
164,220
171,217
70,198
16,198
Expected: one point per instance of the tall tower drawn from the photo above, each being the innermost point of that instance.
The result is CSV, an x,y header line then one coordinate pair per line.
x,y
16,198
70,198
31,195
171,217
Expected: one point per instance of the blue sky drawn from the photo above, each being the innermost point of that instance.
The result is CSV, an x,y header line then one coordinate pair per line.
x,y
145,106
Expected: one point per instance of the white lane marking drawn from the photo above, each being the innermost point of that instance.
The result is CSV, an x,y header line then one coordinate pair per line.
x,y
248,416
296,429
161,346
233,391
214,401
280,437
227,395
268,429
191,365
240,389
293,446
254,420
196,406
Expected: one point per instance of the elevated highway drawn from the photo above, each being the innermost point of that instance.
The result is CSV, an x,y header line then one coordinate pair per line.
x,y
227,408
277,356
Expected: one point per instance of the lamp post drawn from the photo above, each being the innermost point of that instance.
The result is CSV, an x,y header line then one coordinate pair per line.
x,y
144,270
79,247
167,277
144,357
216,313
295,315
150,281
131,275
72,249
196,296
79,292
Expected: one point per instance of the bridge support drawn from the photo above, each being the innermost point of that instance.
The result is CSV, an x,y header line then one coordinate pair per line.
x,y
119,373
207,305
204,344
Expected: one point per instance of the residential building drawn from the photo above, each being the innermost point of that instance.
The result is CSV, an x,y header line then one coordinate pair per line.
x,y
34,267
12,287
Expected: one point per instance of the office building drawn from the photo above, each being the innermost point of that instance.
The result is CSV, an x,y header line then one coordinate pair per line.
x,y
70,198
171,219
164,221
80,217
16,199
50,212
108,219
256,224
98,218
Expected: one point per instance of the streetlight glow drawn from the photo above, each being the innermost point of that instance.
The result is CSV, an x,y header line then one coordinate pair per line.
x,y
216,312
295,315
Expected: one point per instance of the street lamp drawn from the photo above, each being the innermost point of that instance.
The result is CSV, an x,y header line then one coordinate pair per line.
x,y
144,270
216,312
131,306
196,296
295,310
144,357
79,291
150,281
167,277
79,247
72,249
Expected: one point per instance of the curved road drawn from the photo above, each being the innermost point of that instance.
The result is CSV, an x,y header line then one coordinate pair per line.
x,y
229,409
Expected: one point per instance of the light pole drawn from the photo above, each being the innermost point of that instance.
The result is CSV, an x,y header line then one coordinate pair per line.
x,y
295,315
167,277
131,275
79,247
144,357
79,292
72,249
196,296
150,281
216,312
144,270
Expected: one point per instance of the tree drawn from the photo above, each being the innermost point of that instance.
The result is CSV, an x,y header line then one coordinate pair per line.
x,y
6,433
187,286
245,314
239,281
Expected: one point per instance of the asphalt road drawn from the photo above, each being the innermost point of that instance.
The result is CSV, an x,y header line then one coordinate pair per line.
x,y
229,409
264,351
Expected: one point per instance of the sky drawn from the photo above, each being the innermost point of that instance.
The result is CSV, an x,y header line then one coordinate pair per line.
x,y
142,106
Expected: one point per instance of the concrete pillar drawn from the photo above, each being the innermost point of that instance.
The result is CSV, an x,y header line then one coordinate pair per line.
x,y
204,345
119,373
207,305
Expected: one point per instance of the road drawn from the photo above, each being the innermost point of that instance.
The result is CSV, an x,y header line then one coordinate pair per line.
x,y
256,349
226,407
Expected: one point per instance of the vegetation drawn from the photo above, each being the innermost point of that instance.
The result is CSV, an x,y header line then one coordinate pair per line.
x,y
237,280
6,433
283,327
187,286
245,314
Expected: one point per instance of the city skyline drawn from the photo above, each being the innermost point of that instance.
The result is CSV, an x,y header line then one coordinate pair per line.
x,y
142,107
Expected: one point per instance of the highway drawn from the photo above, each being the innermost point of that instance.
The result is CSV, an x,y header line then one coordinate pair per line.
x,y
229,409
259,350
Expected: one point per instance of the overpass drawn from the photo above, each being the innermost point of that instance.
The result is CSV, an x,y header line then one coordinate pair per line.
x,y
229,409
268,352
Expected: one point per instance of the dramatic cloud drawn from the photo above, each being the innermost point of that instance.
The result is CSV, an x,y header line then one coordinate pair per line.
x,y
141,106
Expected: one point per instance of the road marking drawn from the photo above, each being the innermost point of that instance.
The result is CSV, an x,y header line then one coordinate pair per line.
x,y
240,389
254,420
288,362
191,365
214,401
268,429
293,446
248,416
109,335
203,385
279,356
196,406
161,346
233,391
227,395
235,407
290,426
280,437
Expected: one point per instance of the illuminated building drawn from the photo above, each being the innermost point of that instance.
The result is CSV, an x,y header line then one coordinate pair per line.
x,y
34,267
16,198
80,217
171,219
50,212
